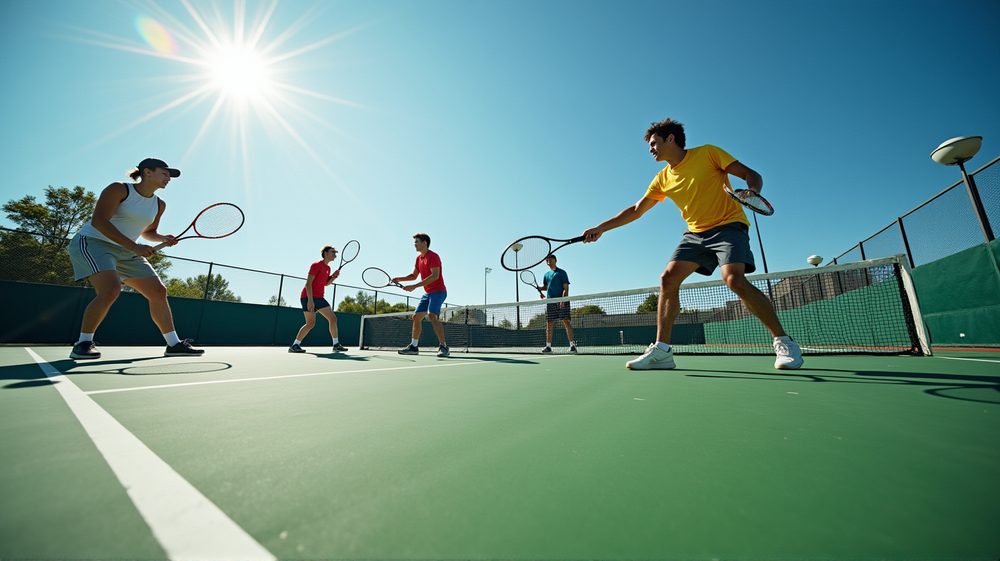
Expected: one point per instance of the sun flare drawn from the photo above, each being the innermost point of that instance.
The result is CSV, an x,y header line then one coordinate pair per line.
x,y
238,72
238,64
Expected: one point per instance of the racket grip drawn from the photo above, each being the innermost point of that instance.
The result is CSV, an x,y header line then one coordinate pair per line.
x,y
160,246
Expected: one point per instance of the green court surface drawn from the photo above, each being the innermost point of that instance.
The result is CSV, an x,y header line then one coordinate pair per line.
x,y
254,452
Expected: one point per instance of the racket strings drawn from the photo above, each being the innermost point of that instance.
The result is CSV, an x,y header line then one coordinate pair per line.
x,y
350,251
527,277
376,278
532,252
218,221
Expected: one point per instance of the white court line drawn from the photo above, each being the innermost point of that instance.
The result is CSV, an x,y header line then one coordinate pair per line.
x,y
141,388
957,358
185,523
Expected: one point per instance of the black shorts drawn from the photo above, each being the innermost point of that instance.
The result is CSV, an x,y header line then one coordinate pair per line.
x,y
729,243
557,311
318,303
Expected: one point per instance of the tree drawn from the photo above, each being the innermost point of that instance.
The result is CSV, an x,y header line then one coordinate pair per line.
x,y
588,310
65,211
277,300
649,305
364,304
194,287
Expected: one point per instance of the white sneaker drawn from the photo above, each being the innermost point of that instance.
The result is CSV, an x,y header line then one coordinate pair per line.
x,y
789,354
654,358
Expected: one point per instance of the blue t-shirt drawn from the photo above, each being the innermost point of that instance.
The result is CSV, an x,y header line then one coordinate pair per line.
x,y
555,281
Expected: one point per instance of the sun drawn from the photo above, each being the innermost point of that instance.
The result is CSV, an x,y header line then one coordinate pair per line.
x,y
233,64
238,72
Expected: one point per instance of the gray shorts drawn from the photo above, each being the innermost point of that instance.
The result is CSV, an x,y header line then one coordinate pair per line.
x,y
729,243
93,255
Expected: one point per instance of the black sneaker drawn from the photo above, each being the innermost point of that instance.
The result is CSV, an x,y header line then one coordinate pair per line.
x,y
338,348
183,348
443,350
409,350
572,348
85,350
296,349
547,350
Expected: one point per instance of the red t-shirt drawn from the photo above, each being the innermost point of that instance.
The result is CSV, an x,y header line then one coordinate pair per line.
x,y
424,264
321,271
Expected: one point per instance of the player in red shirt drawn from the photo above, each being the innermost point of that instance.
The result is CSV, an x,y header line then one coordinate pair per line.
x,y
428,268
313,302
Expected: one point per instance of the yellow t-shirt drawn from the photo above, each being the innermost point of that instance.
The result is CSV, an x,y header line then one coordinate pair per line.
x,y
697,187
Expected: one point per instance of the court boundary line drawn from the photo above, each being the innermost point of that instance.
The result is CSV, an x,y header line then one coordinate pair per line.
x,y
305,375
972,359
185,523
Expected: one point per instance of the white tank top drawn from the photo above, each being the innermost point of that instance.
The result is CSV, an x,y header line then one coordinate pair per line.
x,y
134,215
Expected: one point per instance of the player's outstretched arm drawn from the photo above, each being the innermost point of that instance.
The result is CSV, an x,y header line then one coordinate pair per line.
x,y
627,215
754,181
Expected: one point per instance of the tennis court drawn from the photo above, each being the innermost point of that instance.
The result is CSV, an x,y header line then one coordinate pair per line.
x,y
255,453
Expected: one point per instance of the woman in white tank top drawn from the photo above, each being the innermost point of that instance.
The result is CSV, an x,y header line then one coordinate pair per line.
x,y
107,252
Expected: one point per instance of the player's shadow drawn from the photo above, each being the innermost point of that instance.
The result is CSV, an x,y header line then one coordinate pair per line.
x,y
981,389
338,356
33,376
456,356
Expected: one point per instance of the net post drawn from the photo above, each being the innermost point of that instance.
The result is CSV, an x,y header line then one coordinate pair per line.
x,y
361,335
201,316
906,242
911,296
977,204
277,310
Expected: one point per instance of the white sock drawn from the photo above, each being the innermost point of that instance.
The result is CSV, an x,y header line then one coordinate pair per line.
x,y
414,343
336,340
297,342
172,338
572,343
548,345
784,339
85,337
663,346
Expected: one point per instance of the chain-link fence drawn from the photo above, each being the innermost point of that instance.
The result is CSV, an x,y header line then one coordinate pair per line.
x,y
944,225
38,258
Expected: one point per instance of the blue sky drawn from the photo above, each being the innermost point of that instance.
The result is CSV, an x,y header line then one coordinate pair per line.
x,y
481,122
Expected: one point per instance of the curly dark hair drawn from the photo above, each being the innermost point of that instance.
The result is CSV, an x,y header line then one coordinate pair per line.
x,y
665,128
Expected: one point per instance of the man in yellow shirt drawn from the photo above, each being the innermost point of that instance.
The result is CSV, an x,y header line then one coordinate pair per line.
x,y
717,235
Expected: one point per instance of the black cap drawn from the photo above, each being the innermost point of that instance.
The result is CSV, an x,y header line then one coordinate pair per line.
x,y
153,163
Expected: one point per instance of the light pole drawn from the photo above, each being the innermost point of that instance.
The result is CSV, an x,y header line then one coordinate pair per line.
x,y
517,292
814,260
957,151
485,278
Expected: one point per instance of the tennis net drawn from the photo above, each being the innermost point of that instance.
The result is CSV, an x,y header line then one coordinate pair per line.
x,y
868,307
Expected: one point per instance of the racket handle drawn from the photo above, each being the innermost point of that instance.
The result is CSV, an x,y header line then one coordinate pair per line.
x,y
160,246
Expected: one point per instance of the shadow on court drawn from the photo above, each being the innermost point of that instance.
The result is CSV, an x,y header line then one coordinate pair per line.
x,y
33,376
982,389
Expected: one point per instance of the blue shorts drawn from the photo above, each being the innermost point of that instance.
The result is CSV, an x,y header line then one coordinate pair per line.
x,y
318,303
431,302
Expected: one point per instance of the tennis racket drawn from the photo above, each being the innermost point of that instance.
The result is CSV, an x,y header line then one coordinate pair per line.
x,y
349,253
377,278
217,221
753,201
528,252
528,278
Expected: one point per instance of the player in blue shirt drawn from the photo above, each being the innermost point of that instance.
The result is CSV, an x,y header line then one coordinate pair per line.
x,y
555,285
